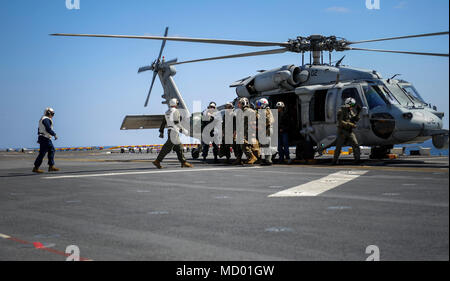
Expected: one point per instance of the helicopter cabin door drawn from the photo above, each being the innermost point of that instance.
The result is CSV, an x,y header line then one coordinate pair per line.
x,y
355,91
322,115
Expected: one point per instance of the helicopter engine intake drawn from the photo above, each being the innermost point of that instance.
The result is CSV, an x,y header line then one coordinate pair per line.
x,y
286,77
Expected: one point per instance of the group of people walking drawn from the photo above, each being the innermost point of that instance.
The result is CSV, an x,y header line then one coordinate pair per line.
x,y
243,126
252,128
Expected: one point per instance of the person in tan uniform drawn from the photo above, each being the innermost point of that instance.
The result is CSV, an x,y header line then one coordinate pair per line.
x,y
248,137
347,118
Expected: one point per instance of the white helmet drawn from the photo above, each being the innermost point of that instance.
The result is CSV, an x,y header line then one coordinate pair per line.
x,y
49,111
212,104
262,103
350,102
229,105
280,104
244,102
173,102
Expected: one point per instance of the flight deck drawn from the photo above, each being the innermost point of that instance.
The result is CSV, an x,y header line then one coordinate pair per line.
x,y
120,207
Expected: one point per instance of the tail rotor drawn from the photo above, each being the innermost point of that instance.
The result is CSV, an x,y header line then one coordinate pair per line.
x,y
155,66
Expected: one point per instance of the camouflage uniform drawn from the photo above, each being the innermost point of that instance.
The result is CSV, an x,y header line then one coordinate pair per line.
x,y
208,118
347,119
237,150
225,148
250,147
266,144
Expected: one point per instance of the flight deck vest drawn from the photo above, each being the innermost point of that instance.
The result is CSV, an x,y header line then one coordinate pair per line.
x,y
41,130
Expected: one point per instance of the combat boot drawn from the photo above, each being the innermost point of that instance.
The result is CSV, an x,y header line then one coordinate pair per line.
x,y
186,165
237,162
36,170
53,169
157,164
252,160
267,161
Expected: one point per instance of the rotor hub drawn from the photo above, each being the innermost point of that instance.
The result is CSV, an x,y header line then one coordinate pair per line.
x,y
317,43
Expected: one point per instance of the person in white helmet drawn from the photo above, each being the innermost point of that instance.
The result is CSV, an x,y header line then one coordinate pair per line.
x,y
228,116
247,141
265,139
45,134
347,117
209,116
174,127
283,133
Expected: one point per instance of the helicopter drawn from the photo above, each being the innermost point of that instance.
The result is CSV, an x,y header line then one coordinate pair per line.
x,y
391,110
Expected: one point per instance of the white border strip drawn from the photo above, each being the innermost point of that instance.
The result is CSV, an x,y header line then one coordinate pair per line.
x,y
186,170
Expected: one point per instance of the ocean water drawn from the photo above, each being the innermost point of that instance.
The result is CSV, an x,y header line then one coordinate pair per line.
x,y
427,144
409,147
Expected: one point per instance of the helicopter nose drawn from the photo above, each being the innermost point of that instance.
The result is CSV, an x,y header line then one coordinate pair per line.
x,y
427,120
410,125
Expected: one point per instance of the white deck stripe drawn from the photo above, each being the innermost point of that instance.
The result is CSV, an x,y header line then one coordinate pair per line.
x,y
4,236
321,185
148,172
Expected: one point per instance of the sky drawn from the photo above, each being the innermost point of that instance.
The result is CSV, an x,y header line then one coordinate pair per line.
x,y
92,83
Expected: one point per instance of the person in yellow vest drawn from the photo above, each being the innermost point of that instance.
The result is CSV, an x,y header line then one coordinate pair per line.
x,y
45,134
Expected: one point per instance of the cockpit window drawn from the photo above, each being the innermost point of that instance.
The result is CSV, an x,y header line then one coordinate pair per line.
x,y
412,92
399,94
373,96
352,93
387,94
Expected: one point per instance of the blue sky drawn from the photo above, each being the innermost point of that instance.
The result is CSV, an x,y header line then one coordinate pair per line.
x,y
93,83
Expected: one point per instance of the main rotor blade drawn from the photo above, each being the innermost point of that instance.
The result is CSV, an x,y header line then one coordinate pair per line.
x,y
153,81
401,37
184,39
268,52
163,44
399,52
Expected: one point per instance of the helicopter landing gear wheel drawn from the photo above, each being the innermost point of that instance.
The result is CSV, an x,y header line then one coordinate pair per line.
x,y
195,153
379,152
304,150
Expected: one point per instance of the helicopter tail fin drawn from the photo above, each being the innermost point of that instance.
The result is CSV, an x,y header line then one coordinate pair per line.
x,y
134,122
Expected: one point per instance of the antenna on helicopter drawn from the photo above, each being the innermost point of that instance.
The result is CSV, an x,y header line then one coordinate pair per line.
x,y
338,63
395,75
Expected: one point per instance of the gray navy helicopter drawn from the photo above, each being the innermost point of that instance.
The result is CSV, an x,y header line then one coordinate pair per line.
x,y
391,110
